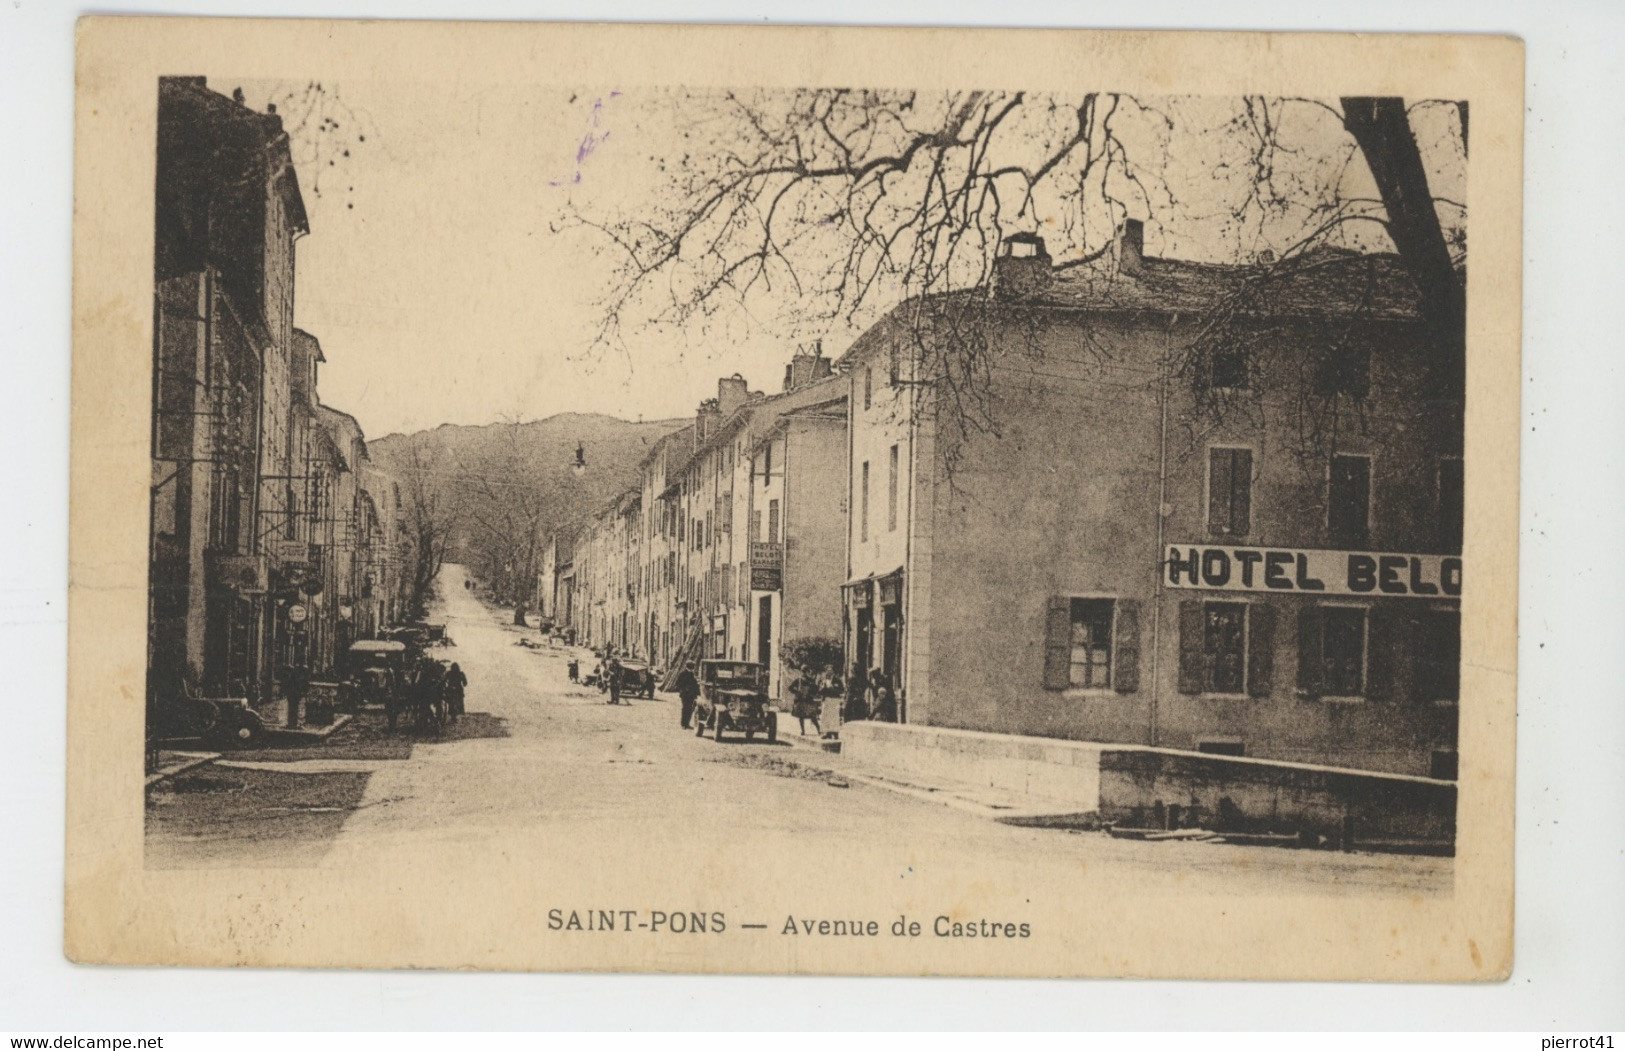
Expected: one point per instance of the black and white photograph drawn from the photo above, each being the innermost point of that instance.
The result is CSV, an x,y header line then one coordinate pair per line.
x,y
886,521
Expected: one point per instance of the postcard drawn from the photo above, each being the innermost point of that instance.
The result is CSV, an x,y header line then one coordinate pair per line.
x,y
794,500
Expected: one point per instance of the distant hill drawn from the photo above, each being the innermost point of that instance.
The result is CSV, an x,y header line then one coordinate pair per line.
x,y
493,479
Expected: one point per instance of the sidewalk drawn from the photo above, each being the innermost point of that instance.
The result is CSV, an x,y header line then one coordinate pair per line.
x,y
980,800
174,762
275,714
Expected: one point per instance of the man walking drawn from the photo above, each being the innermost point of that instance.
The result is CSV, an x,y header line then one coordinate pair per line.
x,y
688,690
612,669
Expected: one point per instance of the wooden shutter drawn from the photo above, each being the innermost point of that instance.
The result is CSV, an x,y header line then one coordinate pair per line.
x,y
1058,643
1311,673
1218,491
1126,628
1387,645
1260,650
1191,679
1241,494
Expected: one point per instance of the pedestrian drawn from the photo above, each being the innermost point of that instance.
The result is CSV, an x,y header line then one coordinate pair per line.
x,y
804,705
456,684
612,670
575,670
688,690
857,707
880,700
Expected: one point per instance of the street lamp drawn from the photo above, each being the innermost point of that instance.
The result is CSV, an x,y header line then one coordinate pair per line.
x,y
579,467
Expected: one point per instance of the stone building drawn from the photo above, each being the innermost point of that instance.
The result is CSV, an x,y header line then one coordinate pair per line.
x,y
1158,502
228,212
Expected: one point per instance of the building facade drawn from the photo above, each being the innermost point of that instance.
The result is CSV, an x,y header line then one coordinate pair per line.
x,y
1212,508
731,541
252,481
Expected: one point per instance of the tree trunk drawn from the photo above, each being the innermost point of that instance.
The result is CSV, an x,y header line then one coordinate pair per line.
x,y
1382,129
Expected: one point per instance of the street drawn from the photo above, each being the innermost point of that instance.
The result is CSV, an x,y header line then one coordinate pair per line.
x,y
542,758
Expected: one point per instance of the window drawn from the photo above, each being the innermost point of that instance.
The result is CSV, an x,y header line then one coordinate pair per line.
x,y
1344,370
891,493
772,521
1091,657
1348,500
1228,368
1224,647
1092,643
767,463
1230,491
1438,656
1342,651
1452,511
868,386
863,518
756,526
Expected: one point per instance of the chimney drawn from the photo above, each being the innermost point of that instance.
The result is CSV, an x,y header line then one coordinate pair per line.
x,y
1130,246
808,366
706,421
1022,268
732,394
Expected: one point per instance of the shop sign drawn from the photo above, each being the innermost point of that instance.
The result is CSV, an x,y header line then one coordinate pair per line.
x,y
762,554
292,551
860,596
1197,566
890,588
766,578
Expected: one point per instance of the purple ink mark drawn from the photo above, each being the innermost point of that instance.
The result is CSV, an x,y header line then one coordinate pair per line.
x,y
589,142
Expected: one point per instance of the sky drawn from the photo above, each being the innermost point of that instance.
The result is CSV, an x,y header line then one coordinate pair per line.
x,y
446,285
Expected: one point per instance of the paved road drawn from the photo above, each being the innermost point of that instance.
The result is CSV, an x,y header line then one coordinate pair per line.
x,y
544,761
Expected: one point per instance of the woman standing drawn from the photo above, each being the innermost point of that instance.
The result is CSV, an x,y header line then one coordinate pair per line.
x,y
805,704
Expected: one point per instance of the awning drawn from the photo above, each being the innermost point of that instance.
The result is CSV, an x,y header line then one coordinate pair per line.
x,y
861,581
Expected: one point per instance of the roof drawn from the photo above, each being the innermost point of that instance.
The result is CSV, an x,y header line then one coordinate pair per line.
x,y
1322,282
377,646
820,392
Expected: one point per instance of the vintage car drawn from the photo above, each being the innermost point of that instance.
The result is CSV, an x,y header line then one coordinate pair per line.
x,y
220,722
733,696
378,669
637,678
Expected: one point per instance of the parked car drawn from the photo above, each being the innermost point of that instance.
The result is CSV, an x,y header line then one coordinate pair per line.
x,y
378,669
733,696
220,722
637,679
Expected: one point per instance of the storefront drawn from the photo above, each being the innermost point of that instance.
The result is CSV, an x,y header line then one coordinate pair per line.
x,y
874,632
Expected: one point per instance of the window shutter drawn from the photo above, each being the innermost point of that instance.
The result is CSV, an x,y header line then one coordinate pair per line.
x,y
1126,674
1241,500
1190,646
1310,671
1218,491
1058,643
1260,650
1386,652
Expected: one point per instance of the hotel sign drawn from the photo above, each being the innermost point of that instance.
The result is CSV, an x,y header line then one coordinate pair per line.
x,y
1201,567
766,554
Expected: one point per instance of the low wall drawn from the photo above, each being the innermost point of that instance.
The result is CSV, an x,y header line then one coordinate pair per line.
x,y
1142,787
